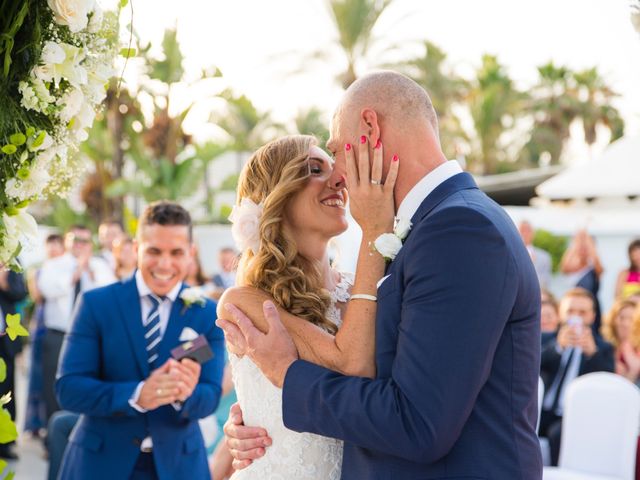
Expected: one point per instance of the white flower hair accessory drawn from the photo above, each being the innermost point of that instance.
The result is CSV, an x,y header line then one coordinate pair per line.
x,y
389,244
246,224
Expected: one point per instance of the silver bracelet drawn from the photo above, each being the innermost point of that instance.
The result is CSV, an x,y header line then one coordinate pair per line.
x,y
363,296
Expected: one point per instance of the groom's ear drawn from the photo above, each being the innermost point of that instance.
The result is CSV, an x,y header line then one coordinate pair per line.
x,y
369,125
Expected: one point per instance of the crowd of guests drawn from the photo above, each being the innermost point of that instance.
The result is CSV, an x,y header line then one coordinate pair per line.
x,y
577,338
72,265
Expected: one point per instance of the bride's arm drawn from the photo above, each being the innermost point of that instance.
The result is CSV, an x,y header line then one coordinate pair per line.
x,y
352,350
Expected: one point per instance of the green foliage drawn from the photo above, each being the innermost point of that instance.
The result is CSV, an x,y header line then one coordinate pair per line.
x,y
313,122
14,327
554,244
3,370
8,430
354,21
169,69
230,183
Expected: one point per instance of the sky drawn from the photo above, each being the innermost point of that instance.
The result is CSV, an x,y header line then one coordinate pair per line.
x,y
259,45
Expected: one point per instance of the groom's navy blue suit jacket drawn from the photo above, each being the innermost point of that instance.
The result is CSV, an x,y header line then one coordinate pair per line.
x,y
457,355
103,360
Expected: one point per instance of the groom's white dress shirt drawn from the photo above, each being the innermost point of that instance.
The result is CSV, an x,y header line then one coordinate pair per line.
x,y
55,283
424,187
164,310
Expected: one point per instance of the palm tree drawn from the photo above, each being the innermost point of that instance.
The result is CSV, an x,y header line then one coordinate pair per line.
x,y
247,128
494,104
553,109
312,122
446,90
594,98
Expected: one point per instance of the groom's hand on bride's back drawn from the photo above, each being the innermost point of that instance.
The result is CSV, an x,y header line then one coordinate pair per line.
x,y
245,444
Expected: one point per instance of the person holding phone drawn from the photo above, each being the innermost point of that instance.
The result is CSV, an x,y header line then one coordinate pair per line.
x,y
576,351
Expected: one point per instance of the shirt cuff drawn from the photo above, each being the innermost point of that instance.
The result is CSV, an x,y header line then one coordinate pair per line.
x,y
133,401
177,406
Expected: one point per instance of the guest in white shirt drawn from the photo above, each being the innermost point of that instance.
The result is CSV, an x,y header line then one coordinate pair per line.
x,y
228,260
108,232
60,282
540,258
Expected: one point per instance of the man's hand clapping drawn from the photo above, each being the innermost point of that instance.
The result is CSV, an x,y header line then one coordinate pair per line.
x,y
172,382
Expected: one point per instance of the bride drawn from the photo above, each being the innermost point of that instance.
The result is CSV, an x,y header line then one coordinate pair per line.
x,y
286,214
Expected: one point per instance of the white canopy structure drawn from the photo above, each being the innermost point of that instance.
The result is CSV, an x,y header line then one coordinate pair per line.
x,y
615,174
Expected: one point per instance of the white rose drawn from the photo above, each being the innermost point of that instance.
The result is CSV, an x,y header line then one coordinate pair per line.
x,y
71,103
192,295
246,224
388,244
402,227
85,116
72,13
52,53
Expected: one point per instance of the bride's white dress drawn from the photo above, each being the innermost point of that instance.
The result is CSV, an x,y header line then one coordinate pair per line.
x,y
293,455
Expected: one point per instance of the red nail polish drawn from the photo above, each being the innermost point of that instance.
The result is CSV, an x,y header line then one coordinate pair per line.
x,y
395,158
347,147
378,144
363,139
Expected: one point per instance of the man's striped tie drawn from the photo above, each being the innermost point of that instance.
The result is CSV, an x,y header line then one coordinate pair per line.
x,y
152,328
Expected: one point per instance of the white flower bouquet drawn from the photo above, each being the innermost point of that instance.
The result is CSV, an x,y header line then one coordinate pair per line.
x,y
56,58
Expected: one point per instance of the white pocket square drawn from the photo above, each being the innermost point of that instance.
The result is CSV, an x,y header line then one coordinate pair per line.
x,y
188,334
382,280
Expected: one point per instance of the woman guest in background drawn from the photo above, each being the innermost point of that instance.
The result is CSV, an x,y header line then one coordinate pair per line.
x,y
621,328
582,267
628,282
549,319
125,257
197,278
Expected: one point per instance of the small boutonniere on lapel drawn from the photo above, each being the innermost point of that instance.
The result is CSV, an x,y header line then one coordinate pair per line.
x,y
389,244
191,296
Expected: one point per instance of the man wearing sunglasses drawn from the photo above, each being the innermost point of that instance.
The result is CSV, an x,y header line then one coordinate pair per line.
x,y
61,280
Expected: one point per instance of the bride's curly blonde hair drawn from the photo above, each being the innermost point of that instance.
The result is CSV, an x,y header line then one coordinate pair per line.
x,y
274,174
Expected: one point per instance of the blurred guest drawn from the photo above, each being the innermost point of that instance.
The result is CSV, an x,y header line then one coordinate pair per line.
x,y
575,351
540,258
12,291
197,278
549,319
617,327
35,416
124,255
108,232
60,282
226,278
628,282
582,268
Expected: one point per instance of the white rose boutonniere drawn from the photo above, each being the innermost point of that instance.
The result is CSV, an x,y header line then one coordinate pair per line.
x,y
389,244
246,224
191,296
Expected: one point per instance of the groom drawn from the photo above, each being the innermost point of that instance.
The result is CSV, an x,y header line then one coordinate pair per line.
x,y
139,407
457,327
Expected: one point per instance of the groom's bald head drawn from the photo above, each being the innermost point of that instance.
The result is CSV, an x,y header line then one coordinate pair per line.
x,y
396,99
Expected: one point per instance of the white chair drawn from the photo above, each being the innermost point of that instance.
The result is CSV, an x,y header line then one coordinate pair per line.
x,y
544,443
599,430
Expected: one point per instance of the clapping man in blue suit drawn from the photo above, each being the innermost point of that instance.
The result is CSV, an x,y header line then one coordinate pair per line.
x,y
139,407
457,327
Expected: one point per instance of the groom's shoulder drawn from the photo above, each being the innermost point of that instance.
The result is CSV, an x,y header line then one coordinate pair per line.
x,y
106,292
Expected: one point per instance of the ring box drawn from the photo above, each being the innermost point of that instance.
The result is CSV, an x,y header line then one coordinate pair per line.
x,y
197,350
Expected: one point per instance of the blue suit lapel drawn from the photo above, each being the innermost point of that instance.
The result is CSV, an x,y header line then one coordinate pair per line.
x,y
131,315
174,328
460,181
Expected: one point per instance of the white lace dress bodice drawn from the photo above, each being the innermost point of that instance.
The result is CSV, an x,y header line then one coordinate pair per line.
x,y
292,455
